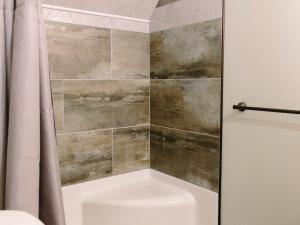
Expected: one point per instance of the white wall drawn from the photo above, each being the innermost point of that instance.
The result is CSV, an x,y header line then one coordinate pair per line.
x,y
261,151
141,9
94,19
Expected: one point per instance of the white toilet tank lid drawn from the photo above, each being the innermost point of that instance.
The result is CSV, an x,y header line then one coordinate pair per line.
x,y
9,217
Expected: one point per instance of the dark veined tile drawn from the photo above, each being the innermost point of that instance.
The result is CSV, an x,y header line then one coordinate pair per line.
x,y
131,149
77,51
94,105
192,105
192,51
188,156
85,156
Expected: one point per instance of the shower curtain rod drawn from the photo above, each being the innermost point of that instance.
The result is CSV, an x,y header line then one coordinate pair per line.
x,y
243,107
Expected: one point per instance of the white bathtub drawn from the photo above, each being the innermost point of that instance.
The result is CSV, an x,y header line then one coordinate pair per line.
x,y
145,197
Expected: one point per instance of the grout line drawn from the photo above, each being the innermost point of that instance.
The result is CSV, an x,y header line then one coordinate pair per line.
x,y
138,79
168,28
200,78
112,151
105,129
192,132
150,111
149,146
63,105
111,53
94,79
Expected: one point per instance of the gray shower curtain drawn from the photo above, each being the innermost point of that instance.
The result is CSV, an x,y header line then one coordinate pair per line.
x,y
29,175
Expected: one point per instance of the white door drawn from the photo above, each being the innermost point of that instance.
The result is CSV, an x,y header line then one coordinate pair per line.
x,y
261,150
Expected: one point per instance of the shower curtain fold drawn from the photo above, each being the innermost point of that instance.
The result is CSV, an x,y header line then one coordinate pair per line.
x,y
29,174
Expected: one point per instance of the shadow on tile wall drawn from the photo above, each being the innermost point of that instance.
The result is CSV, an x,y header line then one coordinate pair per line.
x,y
100,84
185,102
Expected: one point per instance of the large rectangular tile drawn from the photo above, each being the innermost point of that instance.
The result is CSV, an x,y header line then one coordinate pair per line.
x,y
192,105
85,156
58,104
188,156
130,55
131,149
93,105
191,51
77,51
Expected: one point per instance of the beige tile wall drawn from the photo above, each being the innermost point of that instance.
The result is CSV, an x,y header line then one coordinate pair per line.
x,y
100,84
185,102
101,91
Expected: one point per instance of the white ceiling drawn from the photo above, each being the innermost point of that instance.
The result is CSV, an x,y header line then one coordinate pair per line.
x,y
141,9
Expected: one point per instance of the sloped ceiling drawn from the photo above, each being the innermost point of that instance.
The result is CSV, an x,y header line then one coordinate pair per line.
x,y
165,2
141,9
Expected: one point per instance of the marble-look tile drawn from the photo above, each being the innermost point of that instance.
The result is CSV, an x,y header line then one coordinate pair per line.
x,y
58,104
188,156
94,105
77,51
131,149
165,2
192,105
85,156
192,51
130,55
